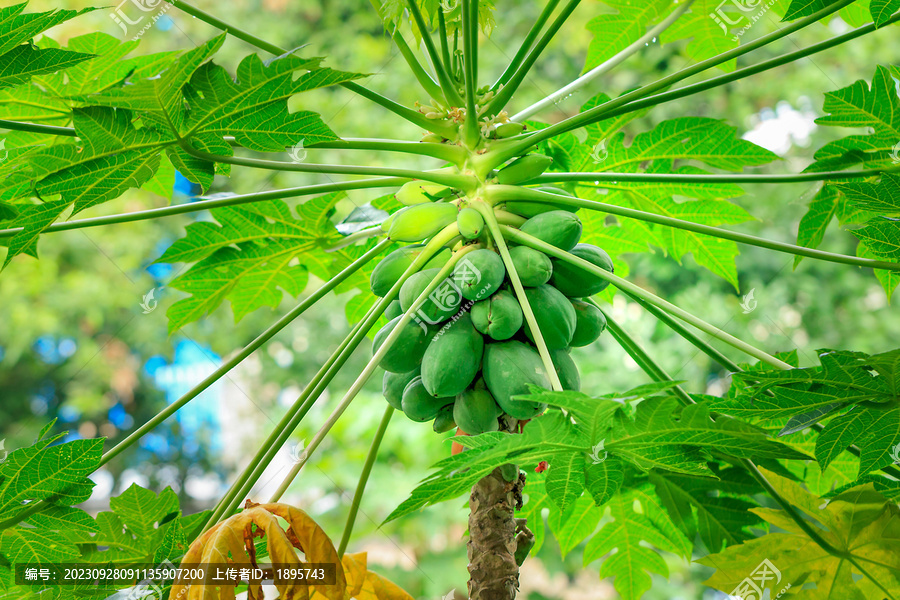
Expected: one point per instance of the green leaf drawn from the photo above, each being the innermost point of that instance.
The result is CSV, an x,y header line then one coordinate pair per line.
x,y
250,255
861,524
142,511
565,478
882,197
637,525
816,220
804,8
22,62
602,479
881,236
536,501
709,33
575,524
614,31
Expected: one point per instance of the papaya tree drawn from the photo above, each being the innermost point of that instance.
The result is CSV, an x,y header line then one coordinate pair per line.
x,y
474,279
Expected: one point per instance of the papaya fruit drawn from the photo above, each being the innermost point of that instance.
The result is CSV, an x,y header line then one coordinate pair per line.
x,y
479,274
566,369
508,369
453,358
530,209
444,422
476,411
393,310
499,317
589,323
406,352
558,228
420,221
389,270
393,384
418,192
441,304
470,223
419,405
575,282
554,314
524,168
533,266
509,129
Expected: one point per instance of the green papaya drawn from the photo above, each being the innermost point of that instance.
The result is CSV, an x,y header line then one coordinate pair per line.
x,y
508,369
566,369
393,384
470,223
509,129
475,411
524,168
589,323
441,304
393,310
554,314
453,358
479,274
533,266
418,192
391,268
444,422
386,224
558,228
406,352
499,317
419,405
530,209
420,221
575,282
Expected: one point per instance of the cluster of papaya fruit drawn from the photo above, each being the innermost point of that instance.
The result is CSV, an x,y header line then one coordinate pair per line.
x,y
469,350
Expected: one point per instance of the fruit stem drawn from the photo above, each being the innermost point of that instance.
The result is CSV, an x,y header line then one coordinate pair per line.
x,y
364,478
604,67
496,194
428,84
437,242
494,227
450,94
178,209
625,285
472,131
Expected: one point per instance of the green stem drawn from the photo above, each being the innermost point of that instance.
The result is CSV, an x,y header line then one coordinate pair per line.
x,y
470,44
499,193
625,285
370,368
314,389
526,44
398,109
457,181
504,95
428,84
448,152
36,128
746,71
245,352
167,211
363,479
496,233
606,66
707,177
602,111
452,96
362,234
445,50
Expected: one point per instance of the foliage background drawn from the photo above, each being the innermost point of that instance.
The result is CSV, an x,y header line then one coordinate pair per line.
x,y
75,343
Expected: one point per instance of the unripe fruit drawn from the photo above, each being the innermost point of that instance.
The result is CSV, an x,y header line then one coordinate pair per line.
x,y
470,223
575,282
533,266
417,192
524,168
589,323
421,221
509,129
558,228
391,268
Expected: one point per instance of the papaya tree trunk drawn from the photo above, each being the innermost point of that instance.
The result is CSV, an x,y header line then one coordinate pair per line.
x,y
493,570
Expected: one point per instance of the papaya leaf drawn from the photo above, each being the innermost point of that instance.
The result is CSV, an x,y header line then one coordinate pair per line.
x,y
860,524
813,224
706,27
536,501
565,479
573,525
614,31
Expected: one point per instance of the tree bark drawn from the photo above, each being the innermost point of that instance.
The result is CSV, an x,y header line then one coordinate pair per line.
x,y
493,571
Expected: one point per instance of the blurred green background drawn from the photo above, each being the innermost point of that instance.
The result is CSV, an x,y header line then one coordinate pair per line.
x,y
78,340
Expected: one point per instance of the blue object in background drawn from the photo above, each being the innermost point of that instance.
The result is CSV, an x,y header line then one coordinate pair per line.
x,y
191,365
185,187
